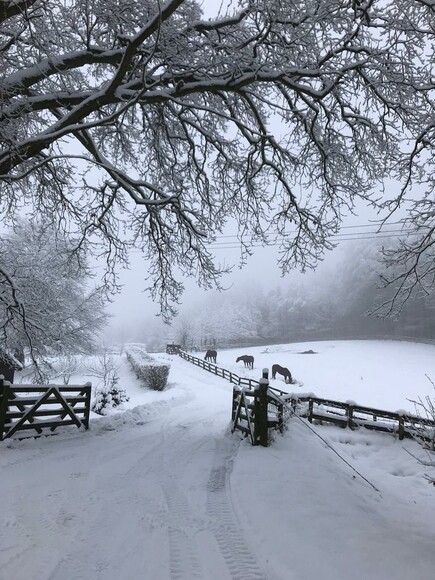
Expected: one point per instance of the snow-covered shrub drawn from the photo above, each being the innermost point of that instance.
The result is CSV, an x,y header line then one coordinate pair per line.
x,y
108,397
118,395
102,401
150,372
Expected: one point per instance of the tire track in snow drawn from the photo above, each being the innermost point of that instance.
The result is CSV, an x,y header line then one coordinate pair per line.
x,y
239,560
184,562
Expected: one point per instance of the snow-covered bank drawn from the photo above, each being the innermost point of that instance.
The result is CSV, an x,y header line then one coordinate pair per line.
x,y
163,490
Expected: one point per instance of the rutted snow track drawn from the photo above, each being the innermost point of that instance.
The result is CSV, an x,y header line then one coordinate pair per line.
x,y
240,561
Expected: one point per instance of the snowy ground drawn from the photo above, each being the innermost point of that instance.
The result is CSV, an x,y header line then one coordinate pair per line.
x,y
162,490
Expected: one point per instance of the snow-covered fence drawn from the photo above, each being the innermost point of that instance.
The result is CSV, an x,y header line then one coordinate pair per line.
x,y
257,411
218,371
351,415
151,373
42,407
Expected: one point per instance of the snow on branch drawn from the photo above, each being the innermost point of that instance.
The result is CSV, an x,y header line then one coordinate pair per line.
x,y
278,116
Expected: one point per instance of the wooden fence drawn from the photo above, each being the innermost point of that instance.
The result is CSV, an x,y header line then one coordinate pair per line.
x,y
248,404
219,372
39,407
353,416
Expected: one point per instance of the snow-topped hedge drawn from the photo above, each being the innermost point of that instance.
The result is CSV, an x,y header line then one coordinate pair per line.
x,y
108,397
150,372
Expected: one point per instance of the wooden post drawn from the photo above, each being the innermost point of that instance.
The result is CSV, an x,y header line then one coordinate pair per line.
x,y
4,404
261,435
281,417
349,416
234,405
310,410
401,427
88,390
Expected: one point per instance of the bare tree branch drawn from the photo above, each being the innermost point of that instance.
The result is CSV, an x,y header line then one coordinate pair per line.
x,y
139,116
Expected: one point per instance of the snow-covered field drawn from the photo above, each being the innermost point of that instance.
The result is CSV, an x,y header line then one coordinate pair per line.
x,y
163,490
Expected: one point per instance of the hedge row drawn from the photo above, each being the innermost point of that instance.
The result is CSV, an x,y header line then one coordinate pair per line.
x,y
150,372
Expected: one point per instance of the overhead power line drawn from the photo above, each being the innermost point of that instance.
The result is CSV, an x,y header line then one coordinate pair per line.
x,y
334,238
232,241
355,226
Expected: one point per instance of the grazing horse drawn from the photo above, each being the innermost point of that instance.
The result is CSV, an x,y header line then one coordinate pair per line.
x,y
282,371
211,355
247,359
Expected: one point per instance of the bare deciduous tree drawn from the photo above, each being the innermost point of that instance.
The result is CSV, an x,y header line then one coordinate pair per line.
x,y
138,122
47,304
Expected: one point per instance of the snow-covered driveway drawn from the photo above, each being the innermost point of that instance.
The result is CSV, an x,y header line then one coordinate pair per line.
x,y
141,501
165,492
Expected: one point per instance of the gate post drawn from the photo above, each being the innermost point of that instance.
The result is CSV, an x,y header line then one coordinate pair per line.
x,y
4,404
261,435
234,403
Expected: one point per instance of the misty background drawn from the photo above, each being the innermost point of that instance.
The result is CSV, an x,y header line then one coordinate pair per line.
x,y
258,305
339,299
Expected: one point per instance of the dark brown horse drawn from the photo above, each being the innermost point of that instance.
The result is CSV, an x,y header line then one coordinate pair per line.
x,y
282,371
211,355
247,359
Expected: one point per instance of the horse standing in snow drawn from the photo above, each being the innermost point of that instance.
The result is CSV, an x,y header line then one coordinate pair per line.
x,y
211,355
282,371
247,359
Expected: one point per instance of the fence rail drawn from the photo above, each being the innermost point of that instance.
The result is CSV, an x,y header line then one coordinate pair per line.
x,y
39,407
354,416
220,372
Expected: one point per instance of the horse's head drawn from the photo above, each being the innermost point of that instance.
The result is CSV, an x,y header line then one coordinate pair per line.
x,y
238,358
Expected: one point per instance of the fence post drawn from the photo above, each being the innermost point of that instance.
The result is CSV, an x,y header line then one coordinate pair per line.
x,y
310,410
281,417
350,416
4,404
234,404
261,435
88,391
401,427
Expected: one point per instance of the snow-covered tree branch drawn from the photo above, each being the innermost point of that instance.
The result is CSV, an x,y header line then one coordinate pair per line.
x,y
139,122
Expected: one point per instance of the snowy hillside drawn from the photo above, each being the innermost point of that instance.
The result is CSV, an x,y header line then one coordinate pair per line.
x,y
162,489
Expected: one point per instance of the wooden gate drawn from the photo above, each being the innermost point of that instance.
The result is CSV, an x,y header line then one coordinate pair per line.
x,y
256,411
42,407
243,414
